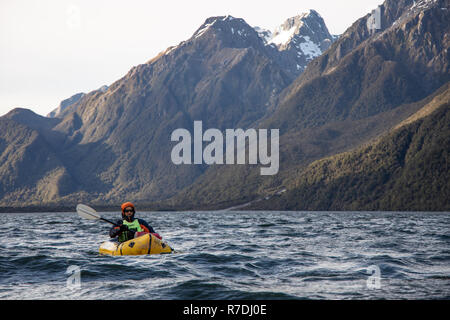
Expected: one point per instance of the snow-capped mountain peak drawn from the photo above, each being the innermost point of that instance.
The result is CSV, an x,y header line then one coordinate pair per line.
x,y
299,39
292,45
309,24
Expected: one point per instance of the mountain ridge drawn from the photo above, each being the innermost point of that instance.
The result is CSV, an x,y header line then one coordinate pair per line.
x,y
290,125
114,144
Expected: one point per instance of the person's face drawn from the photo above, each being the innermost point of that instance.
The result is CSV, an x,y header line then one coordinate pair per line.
x,y
128,212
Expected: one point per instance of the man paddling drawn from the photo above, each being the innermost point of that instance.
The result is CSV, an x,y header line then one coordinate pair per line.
x,y
128,225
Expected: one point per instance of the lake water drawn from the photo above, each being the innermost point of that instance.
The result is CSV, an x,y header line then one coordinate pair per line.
x,y
232,255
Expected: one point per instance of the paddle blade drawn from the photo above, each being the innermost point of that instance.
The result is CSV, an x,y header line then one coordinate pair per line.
x,y
87,212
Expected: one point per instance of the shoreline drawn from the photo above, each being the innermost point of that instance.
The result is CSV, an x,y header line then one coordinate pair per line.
x,y
104,208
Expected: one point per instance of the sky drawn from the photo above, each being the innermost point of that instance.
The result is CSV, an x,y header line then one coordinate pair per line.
x,y
53,49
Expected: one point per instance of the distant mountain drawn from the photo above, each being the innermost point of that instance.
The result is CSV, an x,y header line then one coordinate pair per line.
x,y
367,73
117,142
364,84
70,102
406,169
299,40
30,169
114,144
65,104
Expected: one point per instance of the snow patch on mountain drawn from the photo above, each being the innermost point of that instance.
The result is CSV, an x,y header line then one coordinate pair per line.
x,y
309,48
281,37
204,28
264,34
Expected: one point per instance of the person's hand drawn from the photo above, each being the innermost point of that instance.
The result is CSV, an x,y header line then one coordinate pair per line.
x,y
123,228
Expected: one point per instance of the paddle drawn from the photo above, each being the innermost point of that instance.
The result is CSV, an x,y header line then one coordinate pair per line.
x,y
87,212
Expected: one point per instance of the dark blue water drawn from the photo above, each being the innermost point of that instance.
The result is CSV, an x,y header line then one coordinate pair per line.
x,y
232,255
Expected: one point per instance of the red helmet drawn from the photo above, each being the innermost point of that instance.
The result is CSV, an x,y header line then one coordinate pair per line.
x,y
126,205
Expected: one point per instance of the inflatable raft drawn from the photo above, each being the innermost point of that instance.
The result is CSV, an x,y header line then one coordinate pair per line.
x,y
145,244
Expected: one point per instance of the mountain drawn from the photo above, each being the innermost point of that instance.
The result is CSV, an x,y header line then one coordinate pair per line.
x,y
30,169
403,62
376,81
406,169
65,104
299,40
367,82
116,142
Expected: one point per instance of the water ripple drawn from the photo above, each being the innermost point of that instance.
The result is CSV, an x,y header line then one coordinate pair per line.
x,y
233,255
